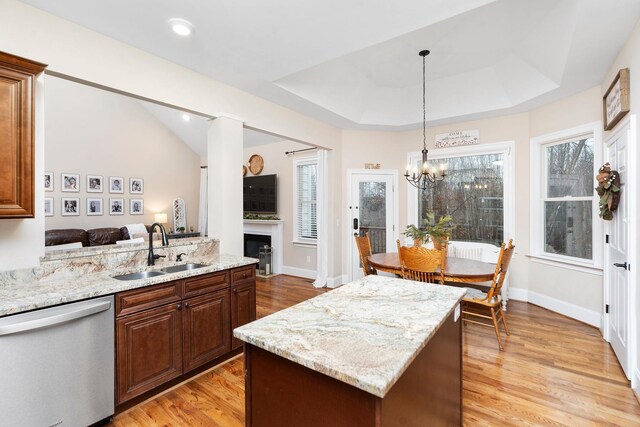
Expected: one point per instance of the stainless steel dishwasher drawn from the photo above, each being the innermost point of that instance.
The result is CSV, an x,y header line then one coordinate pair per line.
x,y
57,365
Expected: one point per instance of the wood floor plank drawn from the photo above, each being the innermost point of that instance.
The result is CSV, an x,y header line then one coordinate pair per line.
x,y
554,371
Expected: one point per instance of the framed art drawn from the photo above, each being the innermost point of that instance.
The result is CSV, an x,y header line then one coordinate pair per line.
x,y
48,181
136,185
94,206
70,206
615,103
116,206
48,206
70,182
136,206
116,184
94,183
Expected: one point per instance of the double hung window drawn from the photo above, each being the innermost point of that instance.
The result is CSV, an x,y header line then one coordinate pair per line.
x,y
305,205
564,208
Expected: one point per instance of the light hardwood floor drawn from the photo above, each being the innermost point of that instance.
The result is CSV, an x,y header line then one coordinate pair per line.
x,y
554,371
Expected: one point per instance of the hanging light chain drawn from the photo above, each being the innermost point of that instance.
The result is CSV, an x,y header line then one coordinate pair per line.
x,y
424,179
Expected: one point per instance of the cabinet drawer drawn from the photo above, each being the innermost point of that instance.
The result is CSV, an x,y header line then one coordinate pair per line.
x,y
207,283
152,296
243,274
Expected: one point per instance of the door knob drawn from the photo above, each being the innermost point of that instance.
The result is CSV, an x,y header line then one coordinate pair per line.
x,y
621,265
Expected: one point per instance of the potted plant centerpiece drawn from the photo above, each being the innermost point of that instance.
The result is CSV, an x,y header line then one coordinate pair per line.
x,y
419,236
440,232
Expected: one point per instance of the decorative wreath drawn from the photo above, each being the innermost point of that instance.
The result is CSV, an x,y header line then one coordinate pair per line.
x,y
609,191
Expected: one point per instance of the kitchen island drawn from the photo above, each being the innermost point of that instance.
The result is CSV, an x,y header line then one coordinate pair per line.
x,y
377,351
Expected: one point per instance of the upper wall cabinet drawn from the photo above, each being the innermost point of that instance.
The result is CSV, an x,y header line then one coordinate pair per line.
x,y
17,87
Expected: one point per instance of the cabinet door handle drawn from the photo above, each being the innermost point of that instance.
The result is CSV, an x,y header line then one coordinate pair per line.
x,y
244,275
179,306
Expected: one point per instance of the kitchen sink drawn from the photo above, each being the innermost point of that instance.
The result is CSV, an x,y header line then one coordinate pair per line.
x,y
140,275
183,267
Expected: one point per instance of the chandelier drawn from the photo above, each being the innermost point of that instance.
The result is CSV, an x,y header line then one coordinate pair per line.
x,y
425,178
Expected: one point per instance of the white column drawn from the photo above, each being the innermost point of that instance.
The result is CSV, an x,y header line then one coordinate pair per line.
x,y
224,158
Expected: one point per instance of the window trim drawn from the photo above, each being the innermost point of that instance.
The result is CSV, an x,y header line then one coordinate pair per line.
x,y
506,148
297,240
538,179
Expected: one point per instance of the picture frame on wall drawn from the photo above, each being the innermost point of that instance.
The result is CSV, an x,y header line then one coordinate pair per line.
x,y
615,103
116,206
48,181
136,185
94,183
48,206
94,206
116,184
70,206
70,182
136,206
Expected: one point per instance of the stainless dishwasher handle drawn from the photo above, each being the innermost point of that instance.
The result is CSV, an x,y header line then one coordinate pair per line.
x,y
55,319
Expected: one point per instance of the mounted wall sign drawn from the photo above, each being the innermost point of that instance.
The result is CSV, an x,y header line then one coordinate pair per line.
x,y
615,103
256,163
458,138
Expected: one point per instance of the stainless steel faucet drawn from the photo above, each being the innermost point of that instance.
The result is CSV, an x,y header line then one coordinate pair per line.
x,y
151,259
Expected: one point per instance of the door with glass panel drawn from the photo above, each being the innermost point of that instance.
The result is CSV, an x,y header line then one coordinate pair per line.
x,y
371,209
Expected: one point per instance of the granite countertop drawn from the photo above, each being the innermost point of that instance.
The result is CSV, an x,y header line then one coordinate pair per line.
x,y
24,295
365,333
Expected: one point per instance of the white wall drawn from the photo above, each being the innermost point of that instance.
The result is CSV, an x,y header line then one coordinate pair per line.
x,y
95,132
390,150
75,51
554,287
276,162
573,287
629,57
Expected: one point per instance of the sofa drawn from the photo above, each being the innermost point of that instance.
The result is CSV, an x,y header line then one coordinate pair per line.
x,y
93,237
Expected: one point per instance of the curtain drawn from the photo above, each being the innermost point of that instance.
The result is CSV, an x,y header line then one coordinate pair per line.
x,y
322,212
203,211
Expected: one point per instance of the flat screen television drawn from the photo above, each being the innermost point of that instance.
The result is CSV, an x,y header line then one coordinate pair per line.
x,y
260,194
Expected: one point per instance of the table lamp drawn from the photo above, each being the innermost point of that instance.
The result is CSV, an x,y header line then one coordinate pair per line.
x,y
160,218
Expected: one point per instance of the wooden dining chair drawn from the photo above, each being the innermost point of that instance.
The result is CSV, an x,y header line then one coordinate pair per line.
x,y
364,249
420,263
488,306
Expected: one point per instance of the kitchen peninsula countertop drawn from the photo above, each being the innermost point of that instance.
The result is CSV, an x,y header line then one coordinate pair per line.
x,y
365,333
25,290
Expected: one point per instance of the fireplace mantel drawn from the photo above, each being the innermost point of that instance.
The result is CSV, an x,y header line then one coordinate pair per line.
x,y
273,228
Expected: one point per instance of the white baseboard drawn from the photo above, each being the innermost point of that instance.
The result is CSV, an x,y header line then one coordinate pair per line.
x,y
300,272
332,282
582,314
635,380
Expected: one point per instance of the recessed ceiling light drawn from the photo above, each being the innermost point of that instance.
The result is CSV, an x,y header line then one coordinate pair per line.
x,y
181,27
186,117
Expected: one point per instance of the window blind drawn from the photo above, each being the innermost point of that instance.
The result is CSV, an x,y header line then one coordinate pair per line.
x,y
306,203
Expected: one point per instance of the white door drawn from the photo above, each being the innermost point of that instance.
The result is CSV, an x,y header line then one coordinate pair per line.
x,y
616,269
371,210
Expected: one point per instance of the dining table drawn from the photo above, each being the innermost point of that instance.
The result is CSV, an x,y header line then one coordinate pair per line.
x,y
455,270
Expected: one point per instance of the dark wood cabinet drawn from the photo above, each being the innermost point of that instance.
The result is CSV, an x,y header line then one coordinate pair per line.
x,y
243,308
167,330
243,299
17,89
148,350
206,332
